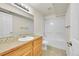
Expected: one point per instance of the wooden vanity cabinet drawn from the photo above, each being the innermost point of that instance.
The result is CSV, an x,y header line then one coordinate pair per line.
x,y
32,48
37,49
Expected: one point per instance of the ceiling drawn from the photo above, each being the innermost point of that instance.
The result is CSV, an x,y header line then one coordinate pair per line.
x,y
50,8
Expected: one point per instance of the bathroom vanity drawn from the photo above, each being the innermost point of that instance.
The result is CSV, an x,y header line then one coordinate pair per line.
x,y
22,48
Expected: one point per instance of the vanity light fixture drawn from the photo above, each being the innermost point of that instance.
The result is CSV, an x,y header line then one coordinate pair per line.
x,y
21,6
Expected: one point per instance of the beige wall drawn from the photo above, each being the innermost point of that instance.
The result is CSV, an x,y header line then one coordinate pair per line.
x,y
38,21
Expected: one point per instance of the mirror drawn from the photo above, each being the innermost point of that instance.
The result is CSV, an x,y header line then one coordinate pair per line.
x,y
5,24
11,24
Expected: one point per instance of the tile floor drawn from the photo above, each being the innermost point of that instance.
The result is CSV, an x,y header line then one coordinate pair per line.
x,y
52,51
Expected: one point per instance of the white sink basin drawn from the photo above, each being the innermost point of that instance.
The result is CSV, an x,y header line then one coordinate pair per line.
x,y
28,38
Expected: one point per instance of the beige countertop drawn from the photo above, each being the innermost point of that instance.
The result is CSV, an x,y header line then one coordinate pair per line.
x,y
8,46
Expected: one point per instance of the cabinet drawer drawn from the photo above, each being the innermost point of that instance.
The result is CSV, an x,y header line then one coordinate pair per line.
x,y
14,53
25,46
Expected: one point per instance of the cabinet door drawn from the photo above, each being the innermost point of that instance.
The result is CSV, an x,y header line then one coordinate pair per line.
x,y
37,50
